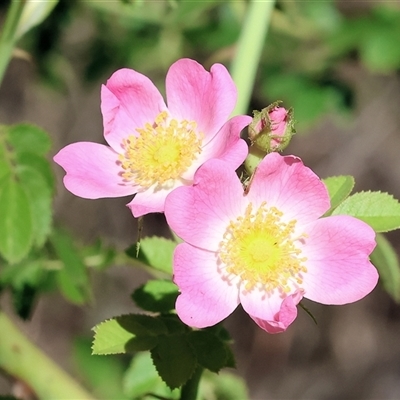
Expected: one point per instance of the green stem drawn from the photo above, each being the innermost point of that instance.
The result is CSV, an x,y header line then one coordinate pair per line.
x,y
21,359
7,38
249,49
190,388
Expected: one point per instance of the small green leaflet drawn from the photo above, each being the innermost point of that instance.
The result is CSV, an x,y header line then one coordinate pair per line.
x,y
385,259
16,225
127,333
174,360
29,138
156,252
40,199
339,188
110,338
156,296
380,210
72,279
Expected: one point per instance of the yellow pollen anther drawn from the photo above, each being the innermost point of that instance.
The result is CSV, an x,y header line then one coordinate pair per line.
x,y
161,152
260,249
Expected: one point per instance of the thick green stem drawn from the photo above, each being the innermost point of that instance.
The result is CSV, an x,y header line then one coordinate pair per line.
x,y
249,49
191,387
21,359
7,38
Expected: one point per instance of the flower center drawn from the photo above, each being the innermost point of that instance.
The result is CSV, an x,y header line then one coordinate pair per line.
x,y
161,152
260,249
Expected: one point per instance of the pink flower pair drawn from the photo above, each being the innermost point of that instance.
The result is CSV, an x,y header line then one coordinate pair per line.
x,y
265,249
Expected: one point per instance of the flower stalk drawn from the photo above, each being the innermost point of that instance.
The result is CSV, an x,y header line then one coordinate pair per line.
x,y
7,37
190,388
249,49
23,360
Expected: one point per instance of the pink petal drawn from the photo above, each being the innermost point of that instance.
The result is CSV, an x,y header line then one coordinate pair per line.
x,y
92,171
337,250
226,146
198,95
272,313
150,200
284,182
200,214
129,100
205,298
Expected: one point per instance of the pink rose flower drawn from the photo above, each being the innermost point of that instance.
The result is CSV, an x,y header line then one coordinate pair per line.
x,y
267,249
155,148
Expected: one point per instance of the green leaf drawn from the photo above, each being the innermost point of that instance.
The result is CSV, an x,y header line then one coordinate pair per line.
x,y
103,374
141,378
156,296
127,333
38,163
72,278
16,227
173,323
174,360
156,252
380,210
29,138
385,259
110,338
210,351
40,202
5,168
224,386
339,188
27,272
140,324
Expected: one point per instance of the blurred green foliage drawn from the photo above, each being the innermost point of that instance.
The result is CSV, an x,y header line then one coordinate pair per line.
x,y
308,44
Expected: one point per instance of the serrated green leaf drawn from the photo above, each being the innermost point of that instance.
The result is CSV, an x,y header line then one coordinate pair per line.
x,y
29,138
173,323
210,351
72,279
174,360
141,378
39,163
385,259
16,227
156,296
127,333
40,201
110,338
339,188
380,210
156,252
142,325
140,343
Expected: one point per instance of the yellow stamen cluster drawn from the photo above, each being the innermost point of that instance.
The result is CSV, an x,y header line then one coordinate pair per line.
x,y
260,249
161,152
